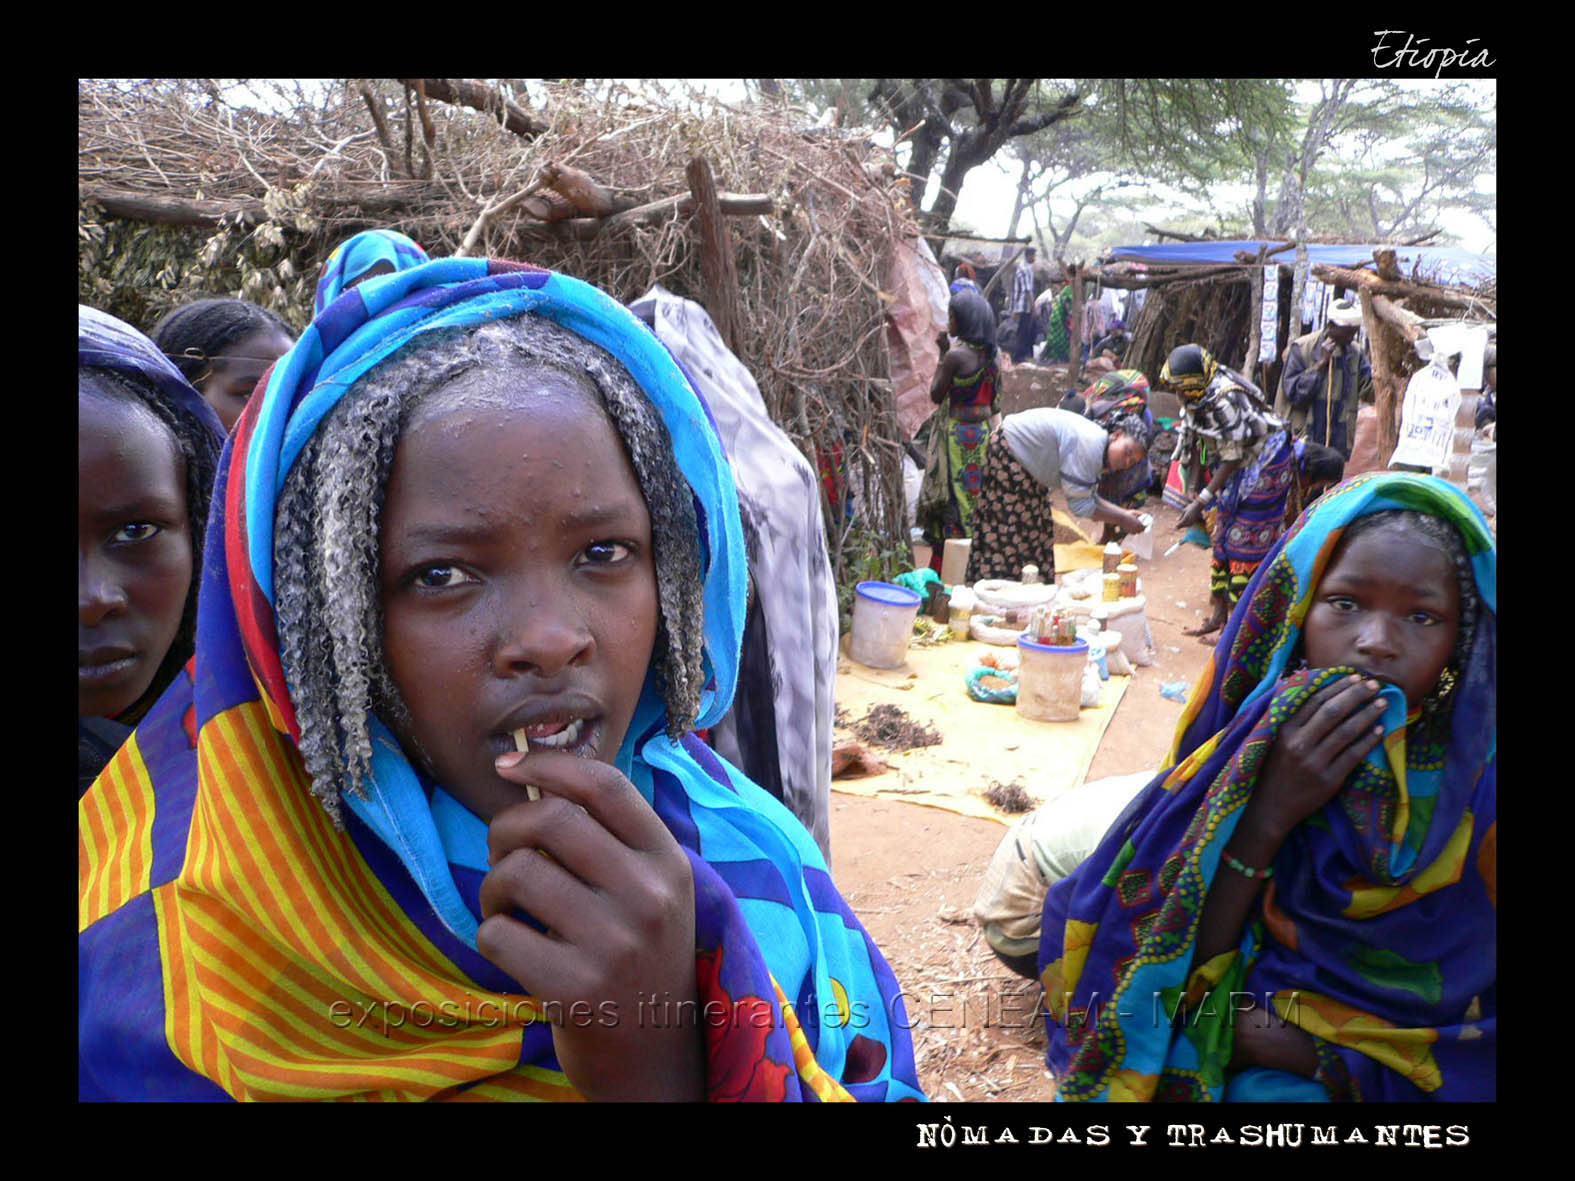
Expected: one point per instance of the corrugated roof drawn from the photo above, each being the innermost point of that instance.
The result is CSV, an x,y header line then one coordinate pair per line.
x,y
1447,264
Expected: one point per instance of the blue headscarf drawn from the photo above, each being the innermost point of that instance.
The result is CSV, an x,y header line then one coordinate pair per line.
x,y
382,252
103,342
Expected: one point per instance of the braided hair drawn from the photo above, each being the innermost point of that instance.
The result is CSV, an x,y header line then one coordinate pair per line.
x,y
194,336
1133,426
198,448
327,526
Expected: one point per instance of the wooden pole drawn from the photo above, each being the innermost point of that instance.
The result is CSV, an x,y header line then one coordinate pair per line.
x,y
717,269
1386,379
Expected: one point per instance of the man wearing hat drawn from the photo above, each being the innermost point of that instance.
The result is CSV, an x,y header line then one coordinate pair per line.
x,y
1324,379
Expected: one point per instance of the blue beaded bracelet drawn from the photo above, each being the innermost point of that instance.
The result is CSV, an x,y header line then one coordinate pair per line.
x,y
1247,871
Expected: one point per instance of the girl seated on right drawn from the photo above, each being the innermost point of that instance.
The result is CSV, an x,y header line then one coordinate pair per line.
x,y
1291,910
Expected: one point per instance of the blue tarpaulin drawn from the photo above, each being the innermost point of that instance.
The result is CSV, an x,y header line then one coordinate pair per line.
x,y
1443,264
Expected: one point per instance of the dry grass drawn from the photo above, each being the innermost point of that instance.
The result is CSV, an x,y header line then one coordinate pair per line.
x,y
312,167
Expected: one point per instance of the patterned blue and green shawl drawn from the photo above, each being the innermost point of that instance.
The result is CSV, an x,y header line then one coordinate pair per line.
x,y
1377,932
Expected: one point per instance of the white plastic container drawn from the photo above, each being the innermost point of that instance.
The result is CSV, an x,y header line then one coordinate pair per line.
x,y
883,615
1050,680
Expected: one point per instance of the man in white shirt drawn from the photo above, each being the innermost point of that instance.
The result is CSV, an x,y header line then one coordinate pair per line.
x,y
1022,306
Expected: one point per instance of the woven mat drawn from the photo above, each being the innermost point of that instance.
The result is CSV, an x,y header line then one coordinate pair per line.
x,y
981,744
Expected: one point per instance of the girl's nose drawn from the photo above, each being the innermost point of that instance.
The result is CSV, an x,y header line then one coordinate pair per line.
x,y
542,634
1378,636
99,596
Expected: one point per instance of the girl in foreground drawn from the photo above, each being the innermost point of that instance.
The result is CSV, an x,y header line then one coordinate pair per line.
x,y
1303,905
442,830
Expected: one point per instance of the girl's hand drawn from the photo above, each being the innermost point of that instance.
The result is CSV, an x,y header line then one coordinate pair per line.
x,y
617,963
1190,515
1316,751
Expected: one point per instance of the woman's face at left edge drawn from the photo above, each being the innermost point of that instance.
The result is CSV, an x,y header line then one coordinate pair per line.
x,y
517,579
134,550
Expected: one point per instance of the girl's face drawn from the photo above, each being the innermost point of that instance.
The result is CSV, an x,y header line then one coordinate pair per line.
x,y
1388,606
134,562
237,370
518,583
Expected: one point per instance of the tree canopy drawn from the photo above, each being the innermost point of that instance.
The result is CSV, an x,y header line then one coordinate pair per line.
x,y
1360,158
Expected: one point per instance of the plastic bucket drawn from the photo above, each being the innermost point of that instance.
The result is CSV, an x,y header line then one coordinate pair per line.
x,y
1050,680
883,616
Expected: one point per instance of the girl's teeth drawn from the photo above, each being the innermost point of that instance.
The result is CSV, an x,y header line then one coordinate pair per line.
x,y
568,736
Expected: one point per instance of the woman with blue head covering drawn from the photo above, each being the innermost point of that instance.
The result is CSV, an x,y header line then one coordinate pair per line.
x,y
439,827
361,257
1303,903
147,449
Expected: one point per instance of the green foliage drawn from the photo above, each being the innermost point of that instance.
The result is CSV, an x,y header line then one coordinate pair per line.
x,y
138,271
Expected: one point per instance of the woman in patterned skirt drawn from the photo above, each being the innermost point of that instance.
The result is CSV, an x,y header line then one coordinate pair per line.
x,y
965,384
1035,452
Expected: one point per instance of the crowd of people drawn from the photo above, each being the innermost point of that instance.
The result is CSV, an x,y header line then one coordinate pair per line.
x,y
406,642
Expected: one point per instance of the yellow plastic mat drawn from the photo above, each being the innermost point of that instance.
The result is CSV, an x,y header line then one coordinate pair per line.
x,y
981,744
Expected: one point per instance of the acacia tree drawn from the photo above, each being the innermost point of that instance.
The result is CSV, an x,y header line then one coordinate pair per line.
x,y
959,124
1435,148
1132,133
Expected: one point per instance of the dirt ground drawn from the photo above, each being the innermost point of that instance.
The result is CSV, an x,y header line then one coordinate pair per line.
x,y
910,872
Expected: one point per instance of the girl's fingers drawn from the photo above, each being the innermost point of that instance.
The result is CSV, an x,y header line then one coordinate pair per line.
x,y
525,880
1332,705
549,968
571,836
600,788
1368,735
1352,725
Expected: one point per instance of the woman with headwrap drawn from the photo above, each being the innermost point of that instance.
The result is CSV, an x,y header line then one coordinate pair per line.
x,y
1254,465
1302,904
147,449
1122,392
482,572
1035,452
964,279
965,386
361,257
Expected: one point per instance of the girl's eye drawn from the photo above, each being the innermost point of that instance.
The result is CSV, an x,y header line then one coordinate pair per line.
x,y
135,531
604,553
1423,618
1341,603
440,575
